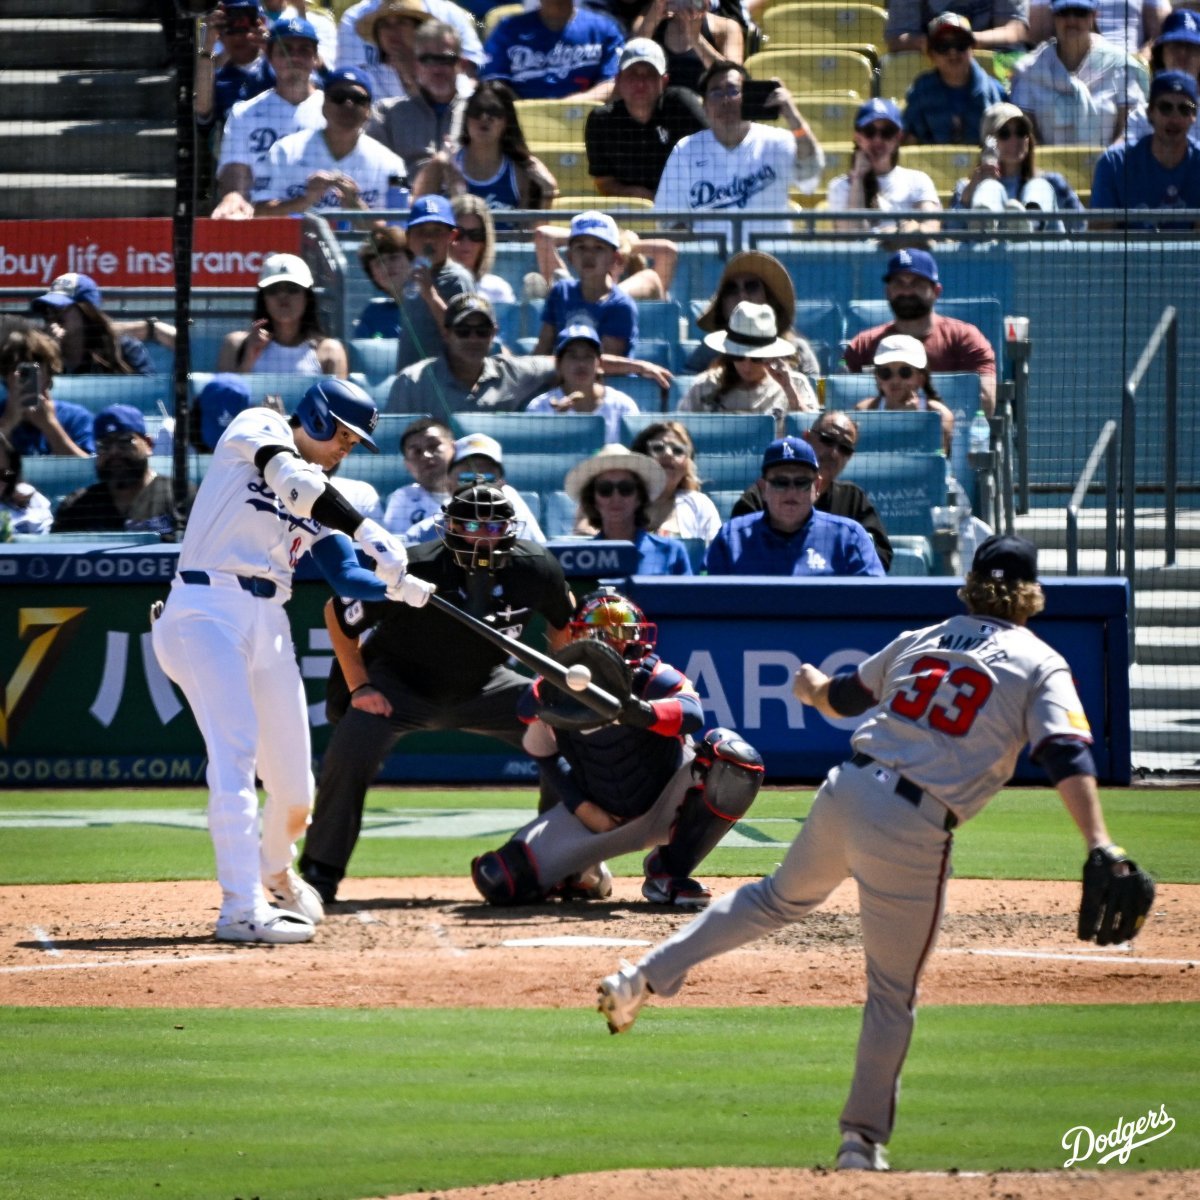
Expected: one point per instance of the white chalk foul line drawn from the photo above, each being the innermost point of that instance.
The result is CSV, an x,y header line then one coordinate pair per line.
x,y
574,940
1053,956
445,940
44,940
128,962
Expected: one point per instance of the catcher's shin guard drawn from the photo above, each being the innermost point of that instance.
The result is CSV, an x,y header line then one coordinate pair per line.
x,y
729,772
507,875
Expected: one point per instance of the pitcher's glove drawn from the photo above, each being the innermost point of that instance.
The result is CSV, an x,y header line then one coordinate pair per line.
x,y
1117,895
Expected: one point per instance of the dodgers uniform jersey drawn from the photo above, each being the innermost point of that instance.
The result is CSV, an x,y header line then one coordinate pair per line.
x,y
409,505
284,174
540,63
703,177
255,125
971,674
237,523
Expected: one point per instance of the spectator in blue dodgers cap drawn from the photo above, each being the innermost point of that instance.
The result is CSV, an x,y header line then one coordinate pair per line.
x,y
912,289
1177,48
434,279
580,387
337,167
231,64
128,495
1077,89
90,342
876,180
790,536
1162,170
219,401
255,124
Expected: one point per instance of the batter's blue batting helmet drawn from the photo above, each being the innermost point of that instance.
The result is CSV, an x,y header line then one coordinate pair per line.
x,y
333,400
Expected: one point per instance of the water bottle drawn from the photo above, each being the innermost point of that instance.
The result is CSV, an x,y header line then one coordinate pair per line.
x,y
398,195
412,290
979,443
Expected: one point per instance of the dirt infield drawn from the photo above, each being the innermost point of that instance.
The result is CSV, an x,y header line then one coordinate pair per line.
x,y
429,942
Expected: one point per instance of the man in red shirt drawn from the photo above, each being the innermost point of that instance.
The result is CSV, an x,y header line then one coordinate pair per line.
x,y
912,289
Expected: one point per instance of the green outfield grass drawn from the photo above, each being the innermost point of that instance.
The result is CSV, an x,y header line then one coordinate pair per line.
x,y
349,1103
1023,834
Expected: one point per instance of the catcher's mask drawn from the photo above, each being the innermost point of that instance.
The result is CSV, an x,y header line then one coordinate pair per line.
x,y
607,616
478,524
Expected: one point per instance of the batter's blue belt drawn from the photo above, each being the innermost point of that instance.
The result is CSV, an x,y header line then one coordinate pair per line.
x,y
248,583
903,787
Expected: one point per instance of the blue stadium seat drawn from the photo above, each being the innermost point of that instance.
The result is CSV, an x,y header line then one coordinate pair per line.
x,y
558,514
564,434
680,386
381,391
542,472
728,472
714,433
204,344
725,499
385,472
374,357
645,393
877,431
510,318
161,358
57,475
905,488
291,387
95,392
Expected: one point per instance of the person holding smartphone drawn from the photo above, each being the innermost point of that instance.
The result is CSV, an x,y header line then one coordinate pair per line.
x,y
30,418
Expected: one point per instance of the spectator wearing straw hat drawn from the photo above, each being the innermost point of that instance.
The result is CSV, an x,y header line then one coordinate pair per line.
x,y
790,536
750,373
614,488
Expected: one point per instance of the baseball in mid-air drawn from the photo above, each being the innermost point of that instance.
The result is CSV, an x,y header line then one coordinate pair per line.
x,y
578,677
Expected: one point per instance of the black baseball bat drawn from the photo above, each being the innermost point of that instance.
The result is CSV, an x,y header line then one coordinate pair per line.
x,y
597,699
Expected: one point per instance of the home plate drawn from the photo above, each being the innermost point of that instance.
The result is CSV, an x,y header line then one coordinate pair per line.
x,y
570,939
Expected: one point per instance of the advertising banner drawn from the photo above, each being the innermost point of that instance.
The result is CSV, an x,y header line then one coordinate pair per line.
x,y
86,704
124,252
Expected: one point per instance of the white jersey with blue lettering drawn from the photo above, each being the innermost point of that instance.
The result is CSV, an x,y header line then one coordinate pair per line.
x,y
255,125
285,172
958,702
237,524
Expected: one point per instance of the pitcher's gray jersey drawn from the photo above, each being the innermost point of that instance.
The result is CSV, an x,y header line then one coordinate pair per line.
x,y
957,703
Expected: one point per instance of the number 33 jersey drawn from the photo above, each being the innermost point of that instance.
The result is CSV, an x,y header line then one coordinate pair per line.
x,y
958,702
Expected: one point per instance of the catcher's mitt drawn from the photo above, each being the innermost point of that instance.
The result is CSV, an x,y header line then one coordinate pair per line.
x,y
571,710
1117,895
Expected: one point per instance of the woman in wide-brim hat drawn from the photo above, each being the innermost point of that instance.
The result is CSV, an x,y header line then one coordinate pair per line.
x,y
750,373
614,489
392,28
763,279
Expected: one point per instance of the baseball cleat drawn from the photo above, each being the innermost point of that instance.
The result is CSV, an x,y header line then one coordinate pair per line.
x,y
273,927
294,895
858,1154
622,996
681,893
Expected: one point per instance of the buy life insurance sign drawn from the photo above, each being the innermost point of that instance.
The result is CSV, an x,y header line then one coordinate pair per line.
x,y
123,252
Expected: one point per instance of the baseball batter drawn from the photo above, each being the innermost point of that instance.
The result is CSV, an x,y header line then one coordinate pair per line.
x,y
224,638
953,706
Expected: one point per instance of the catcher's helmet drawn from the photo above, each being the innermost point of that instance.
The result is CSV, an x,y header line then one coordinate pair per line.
x,y
609,617
478,524
338,401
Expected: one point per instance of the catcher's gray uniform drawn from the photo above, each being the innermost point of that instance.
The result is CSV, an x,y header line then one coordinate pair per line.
x,y
956,703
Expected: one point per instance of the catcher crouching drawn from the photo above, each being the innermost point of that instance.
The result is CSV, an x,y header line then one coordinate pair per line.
x,y
632,783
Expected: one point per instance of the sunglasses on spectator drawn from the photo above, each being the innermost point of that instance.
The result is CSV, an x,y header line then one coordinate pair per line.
x,y
1073,12
438,60
472,235
729,92
283,289
475,331
885,373
1014,129
484,112
490,528
746,287
661,446
828,439
240,27
342,95
1168,108
783,483
946,47
883,133
624,487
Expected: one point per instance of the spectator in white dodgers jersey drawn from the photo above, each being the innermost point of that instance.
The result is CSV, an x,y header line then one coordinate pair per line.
x,y
336,167
951,706
255,125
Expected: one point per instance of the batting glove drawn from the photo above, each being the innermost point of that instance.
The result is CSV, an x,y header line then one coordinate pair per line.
x,y
411,591
391,558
